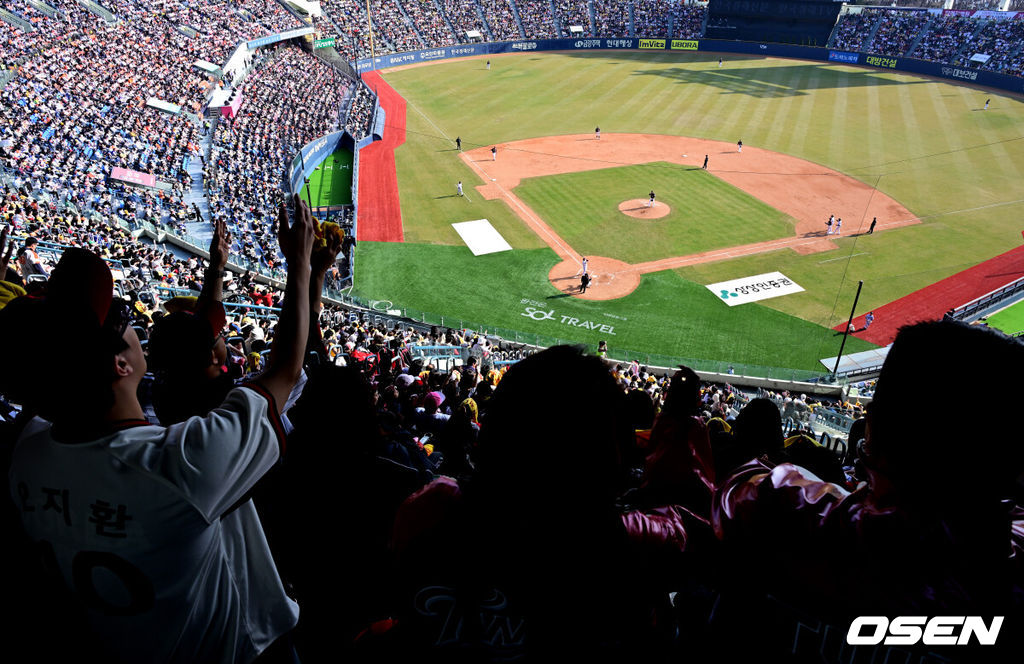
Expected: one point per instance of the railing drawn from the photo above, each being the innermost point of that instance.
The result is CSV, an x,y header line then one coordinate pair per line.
x,y
977,307
427,319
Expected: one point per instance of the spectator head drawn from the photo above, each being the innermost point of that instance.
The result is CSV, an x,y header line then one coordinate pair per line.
x,y
683,398
575,430
31,242
914,451
71,352
758,427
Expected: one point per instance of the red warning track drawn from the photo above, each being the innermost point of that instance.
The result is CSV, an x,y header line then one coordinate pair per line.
x,y
931,302
380,215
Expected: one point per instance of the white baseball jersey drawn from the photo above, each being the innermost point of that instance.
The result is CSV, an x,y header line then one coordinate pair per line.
x,y
142,528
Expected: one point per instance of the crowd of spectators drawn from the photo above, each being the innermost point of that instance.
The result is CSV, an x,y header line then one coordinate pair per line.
x,y
586,507
500,19
945,37
573,13
896,31
350,17
977,5
652,17
464,17
611,18
360,113
1002,40
251,152
688,20
429,22
538,23
853,29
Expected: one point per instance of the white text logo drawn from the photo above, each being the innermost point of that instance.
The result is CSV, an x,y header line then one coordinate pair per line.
x,y
937,631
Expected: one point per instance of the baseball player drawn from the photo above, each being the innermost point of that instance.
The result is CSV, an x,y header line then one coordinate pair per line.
x,y
585,264
597,133
584,282
705,162
986,104
459,187
828,224
494,153
839,226
719,63
871,228
650,201
869,319
488,65
458,143
739,146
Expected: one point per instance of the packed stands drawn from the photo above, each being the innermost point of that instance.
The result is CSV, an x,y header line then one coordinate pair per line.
x,y
428,21
945,38
652,17
896,31
251,152
688,20
570,13
611,18
500,19
464,17
537,19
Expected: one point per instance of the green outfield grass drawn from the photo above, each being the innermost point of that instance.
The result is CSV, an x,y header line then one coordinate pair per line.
x,y
1009,320
444,281
926,143
332,183
583,209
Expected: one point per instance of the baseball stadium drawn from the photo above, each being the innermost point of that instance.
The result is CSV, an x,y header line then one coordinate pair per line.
x,y
723,278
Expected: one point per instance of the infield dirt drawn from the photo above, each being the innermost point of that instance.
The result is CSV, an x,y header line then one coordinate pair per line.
x,y
806,191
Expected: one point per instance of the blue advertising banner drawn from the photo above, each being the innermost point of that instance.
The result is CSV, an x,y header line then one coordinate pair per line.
x,y
987,78
843,56
272,39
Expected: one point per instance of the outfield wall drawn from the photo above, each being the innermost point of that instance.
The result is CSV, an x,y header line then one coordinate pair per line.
x,y
1013,84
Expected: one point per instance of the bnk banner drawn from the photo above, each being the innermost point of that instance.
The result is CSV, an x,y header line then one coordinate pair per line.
x,y
752,289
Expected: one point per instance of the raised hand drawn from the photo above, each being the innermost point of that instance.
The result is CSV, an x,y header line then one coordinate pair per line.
x,y
5,260
220,245
296,240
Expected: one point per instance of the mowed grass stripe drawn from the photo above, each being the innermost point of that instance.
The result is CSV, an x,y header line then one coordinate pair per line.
x,y
899,140
707,213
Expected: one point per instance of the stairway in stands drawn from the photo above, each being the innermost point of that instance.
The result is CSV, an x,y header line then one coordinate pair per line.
x,y
200,228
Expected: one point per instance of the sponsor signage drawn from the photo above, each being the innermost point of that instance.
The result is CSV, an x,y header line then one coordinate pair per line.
x,y
435,54
619,43
272,39
843,56
327,42
129,176
684,44
587,43
876,61
652,43
464,50
550,314
524,46
963,74
752,289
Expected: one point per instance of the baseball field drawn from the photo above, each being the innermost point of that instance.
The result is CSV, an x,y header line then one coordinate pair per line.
x,y
942,176
331,182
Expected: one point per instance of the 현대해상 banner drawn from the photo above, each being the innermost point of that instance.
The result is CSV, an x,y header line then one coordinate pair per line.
x,y
752,289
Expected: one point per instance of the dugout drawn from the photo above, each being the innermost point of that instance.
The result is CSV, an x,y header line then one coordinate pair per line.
x,y
804,22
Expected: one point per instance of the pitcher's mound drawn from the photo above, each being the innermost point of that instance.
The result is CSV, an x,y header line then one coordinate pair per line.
x,y
637,208
611,278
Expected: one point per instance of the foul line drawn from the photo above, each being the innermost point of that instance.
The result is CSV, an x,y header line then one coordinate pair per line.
x,y
863,253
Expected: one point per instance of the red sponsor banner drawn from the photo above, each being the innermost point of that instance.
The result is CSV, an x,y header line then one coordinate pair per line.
x,y
133,177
